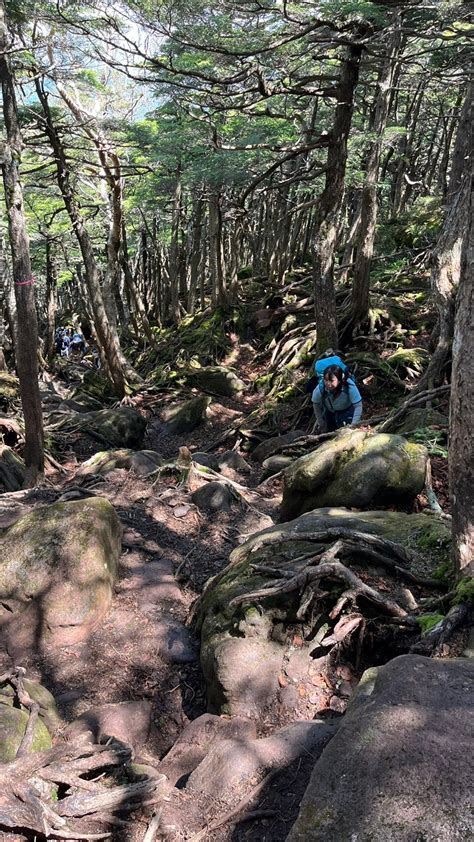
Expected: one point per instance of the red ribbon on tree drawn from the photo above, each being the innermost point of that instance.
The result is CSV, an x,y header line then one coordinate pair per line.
x,y
25,283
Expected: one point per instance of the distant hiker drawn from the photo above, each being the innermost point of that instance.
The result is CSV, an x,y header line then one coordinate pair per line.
x,y
336,399
66,342
58,339
78,343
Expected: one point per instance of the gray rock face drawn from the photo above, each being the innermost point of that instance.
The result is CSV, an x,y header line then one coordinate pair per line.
x,y
12,470
60,562
198,738
356,469
234,763
272,445
213,497
121,427
185,417
128,722
217,379
232,461
400,767
242,674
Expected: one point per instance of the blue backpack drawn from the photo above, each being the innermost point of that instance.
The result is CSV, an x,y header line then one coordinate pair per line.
x,y
322,364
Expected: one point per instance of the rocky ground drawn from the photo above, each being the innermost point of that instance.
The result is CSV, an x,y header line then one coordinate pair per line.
x,y
146,653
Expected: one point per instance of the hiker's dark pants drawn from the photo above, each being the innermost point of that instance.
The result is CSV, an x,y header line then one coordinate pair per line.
x,y
341,418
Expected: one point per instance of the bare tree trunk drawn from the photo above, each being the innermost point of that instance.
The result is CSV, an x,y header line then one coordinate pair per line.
x,y
405,150
175,249
368,201
328,222
3,298
136,299
461,429
196,250
107,336
218,286
27,335
51,298
446,257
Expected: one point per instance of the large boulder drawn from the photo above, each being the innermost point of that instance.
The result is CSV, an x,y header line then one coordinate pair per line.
x,y
356,469
141,462
58,565
400,767
12,470
120,427
216,379
244,648
185,417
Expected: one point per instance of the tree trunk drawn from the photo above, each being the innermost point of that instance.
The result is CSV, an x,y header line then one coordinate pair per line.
x,y
327,226
368,201
446,258
27,334
196,250
461,429
3,298
107,337
51,299
135,297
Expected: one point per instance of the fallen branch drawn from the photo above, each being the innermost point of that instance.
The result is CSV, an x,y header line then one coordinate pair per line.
x,y
414,400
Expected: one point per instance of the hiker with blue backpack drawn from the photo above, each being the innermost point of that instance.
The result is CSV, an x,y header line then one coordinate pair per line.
x,y
336,399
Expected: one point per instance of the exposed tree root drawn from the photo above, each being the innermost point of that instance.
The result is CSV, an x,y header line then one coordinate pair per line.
x,y
435,639
24,803
327,567
419,399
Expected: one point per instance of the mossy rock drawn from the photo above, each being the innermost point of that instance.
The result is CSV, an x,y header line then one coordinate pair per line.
x,y
216,379
221,624
421,418
60,561
96,386
185,417
375,779
356,469
120,427
12,470
142,462
48,711
9,389
13,724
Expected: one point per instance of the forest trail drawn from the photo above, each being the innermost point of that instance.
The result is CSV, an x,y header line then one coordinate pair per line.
x,y
138,674
143,651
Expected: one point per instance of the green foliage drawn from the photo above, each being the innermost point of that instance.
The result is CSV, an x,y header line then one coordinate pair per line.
x,y
464,591
434,440
428,622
